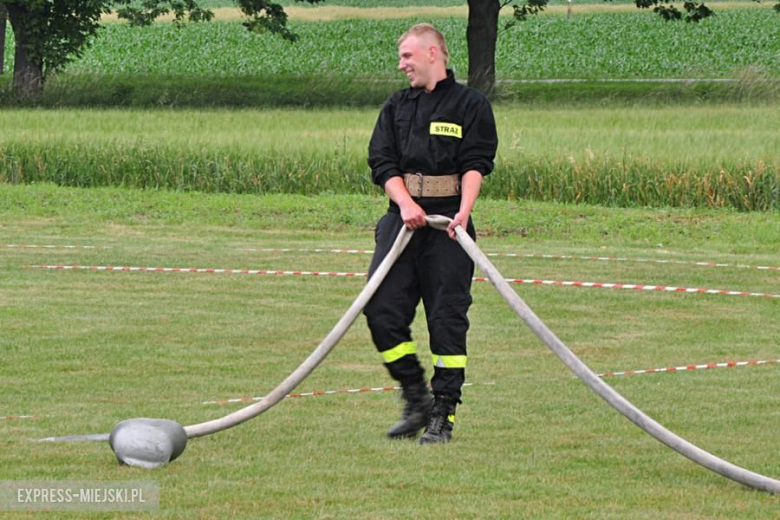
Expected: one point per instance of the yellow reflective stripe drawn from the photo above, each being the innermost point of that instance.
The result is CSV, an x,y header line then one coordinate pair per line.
x,y
449,361
399,351
451,418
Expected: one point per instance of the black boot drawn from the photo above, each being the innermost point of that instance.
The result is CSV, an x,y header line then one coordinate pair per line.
x,y
439,430
416,413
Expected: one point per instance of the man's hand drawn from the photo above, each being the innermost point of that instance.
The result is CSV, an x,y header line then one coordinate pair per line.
x,y
411,212
461,219
413,215
470,184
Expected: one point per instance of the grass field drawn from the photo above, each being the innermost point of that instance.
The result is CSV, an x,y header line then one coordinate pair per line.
x,y
279,188
710,155
83,350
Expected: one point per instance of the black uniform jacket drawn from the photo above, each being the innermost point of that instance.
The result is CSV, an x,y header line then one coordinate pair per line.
x,y
449,130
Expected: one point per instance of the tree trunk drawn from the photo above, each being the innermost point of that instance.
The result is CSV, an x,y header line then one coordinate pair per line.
x,y
28,76
481,35
28,72
2,37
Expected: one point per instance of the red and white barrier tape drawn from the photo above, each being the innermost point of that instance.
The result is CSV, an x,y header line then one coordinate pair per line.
x,y
305,250
326,392
598,285
729,364
47,246
504,255
192,270
545,256
636,287
316,393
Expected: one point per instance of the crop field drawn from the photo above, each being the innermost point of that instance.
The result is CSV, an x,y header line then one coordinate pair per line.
x,y
623,45
620,54
84,349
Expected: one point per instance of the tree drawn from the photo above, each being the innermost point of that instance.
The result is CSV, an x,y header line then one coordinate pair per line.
x,y
3,24
481,38
482,31
47,35
50,33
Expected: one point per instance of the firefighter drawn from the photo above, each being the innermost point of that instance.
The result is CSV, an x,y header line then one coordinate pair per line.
x,y
431,146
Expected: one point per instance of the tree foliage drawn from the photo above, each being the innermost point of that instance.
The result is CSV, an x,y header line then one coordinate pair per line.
x,y
147,11
50,33
528,8
262,15
695,11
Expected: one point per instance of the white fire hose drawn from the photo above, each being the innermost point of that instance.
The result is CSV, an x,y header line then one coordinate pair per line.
x,y
595,383
155,442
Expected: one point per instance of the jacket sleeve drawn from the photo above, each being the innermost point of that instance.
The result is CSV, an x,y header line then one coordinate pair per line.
x,y
383,155
480,141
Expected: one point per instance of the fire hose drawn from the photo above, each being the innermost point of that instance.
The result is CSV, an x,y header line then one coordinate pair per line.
x,y
155,442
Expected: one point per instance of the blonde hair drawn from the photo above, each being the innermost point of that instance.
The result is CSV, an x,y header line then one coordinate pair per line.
x,y
426,29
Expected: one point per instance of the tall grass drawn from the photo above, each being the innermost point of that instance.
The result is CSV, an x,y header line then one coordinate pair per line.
x,y
721,156
744,186
128,91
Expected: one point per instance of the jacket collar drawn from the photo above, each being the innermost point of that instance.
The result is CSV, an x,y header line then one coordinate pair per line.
x,y
441,86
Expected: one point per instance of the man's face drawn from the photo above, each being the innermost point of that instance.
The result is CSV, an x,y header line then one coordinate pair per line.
x,y
415,58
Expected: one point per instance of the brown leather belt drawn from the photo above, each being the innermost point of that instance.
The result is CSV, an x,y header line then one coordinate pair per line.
x,y
420,185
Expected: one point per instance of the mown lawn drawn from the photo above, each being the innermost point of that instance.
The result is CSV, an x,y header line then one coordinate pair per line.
x,y
83,350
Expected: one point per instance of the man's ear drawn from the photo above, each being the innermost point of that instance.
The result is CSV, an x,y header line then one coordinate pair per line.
x,y
433,53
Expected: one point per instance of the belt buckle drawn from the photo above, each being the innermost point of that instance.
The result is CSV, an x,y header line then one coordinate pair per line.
x,y
414,184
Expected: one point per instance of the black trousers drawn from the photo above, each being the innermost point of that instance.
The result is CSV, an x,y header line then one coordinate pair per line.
x,y
435,269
